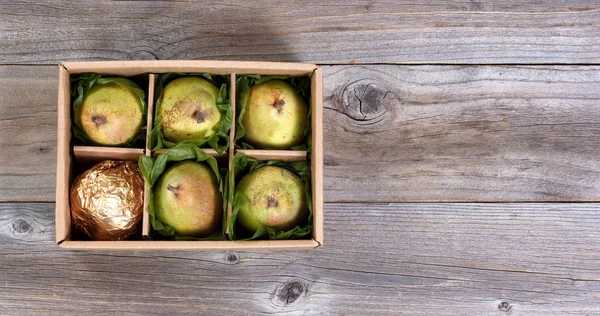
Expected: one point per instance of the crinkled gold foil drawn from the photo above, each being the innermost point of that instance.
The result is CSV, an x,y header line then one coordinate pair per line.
x,y
107,200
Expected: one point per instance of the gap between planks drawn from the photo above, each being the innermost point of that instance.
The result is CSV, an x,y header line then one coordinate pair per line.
x,y
379,64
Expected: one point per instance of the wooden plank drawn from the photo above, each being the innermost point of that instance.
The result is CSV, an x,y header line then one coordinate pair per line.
x,y
448,133
512,31
28,127
413,259
392,133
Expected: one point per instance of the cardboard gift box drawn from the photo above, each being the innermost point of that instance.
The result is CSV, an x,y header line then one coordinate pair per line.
x,y
72,158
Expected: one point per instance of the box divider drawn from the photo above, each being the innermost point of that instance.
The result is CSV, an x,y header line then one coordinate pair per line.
x,y
232,98
94,153
208,151
148,153
283,155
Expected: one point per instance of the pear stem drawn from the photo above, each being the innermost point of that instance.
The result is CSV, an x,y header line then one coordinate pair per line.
x,y
99,120
173,189
199,116
272,202
279,105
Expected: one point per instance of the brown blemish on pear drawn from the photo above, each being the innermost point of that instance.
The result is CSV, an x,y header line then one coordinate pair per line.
x,y
174,112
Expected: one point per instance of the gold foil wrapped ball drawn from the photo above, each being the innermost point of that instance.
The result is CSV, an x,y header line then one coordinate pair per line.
x,y
107,200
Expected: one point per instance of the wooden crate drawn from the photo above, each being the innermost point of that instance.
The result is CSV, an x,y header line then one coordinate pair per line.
x,y
68,155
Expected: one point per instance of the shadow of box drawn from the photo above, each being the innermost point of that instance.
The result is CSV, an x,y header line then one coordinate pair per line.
x,y
74,157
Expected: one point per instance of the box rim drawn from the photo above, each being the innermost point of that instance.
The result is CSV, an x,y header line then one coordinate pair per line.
x,y
132,67
190,245
128,68
317,154
63,158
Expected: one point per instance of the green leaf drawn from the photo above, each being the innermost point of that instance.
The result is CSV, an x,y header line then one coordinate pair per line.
x,y
243,84
219,141
82,84
153,168
243,165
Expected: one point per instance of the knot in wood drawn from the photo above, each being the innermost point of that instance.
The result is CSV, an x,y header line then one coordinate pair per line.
x,y
21,227
290,293
504,307
232,258
367,100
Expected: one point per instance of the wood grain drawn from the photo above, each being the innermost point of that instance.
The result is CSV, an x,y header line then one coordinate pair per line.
x,y
469,132
412,259
405,31
392,133
28,97
462,133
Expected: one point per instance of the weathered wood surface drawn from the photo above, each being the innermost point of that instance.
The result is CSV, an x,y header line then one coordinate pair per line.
x,y
392,133
450,133
27,133
478,32
412,259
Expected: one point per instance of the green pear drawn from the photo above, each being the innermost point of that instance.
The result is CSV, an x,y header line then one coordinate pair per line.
x,y
188,109
275,117
275,198
187,198
111,114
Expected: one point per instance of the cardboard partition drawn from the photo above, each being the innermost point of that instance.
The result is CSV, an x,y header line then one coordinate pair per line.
x,y
97,154
231,147
208,151
283,155
68,156
149,124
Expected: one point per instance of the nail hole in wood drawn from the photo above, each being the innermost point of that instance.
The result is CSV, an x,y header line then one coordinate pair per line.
x,y
504,307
